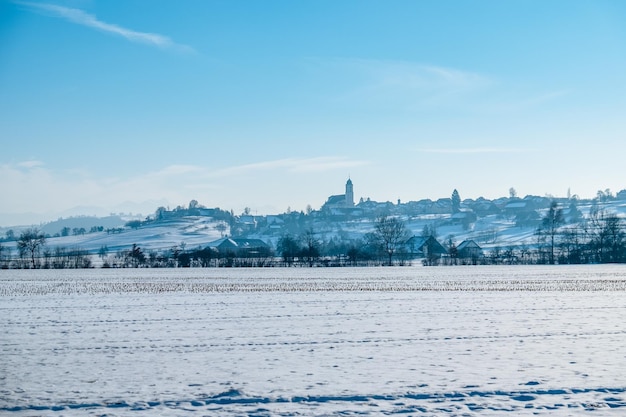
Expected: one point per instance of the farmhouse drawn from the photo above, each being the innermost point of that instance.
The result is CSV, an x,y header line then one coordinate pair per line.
x,y
241,247
425,247
468,249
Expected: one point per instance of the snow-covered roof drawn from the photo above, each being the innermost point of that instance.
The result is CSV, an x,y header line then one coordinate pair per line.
x,y
467,244
516,205
237,243
223,243
336,199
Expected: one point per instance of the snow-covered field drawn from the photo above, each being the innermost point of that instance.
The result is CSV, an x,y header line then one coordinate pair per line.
x,y
378,341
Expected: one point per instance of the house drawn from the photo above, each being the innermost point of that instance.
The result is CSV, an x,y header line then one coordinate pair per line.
x,y
223,245
208,212
246,223
517,206
425,247
468,249
252,247
442,206
464,217
482,207
240,247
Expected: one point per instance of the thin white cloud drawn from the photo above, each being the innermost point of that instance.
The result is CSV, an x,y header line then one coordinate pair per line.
x,y
399,85
478,150
82,18
326,164
540,99
30,164
180,170
405,74
429,77
290,165
31,186
317,164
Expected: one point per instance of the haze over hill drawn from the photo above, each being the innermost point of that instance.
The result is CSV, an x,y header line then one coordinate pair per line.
x,y
506,221
265,104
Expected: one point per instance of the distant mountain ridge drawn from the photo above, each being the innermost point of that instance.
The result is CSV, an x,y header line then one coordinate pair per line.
x,y
83,222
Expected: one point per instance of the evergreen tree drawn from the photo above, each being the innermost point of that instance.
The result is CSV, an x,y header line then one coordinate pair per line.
x,y
456,201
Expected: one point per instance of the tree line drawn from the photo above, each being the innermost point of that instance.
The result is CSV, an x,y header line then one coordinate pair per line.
x,y
308,249
597,238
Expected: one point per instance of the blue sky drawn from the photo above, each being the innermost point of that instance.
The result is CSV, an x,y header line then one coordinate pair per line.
x,y
128,105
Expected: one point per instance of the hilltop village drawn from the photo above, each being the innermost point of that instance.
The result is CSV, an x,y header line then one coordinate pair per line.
x,y
449,230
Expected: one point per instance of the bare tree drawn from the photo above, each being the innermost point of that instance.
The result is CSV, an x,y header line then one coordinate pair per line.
x,y
606,236
221,227
550,226
615,238
2,250
572,245
136,256
311,247
390,234
103,252
288,248
30,242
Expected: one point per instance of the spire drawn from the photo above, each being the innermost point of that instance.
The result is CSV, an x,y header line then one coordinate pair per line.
x,y
349,193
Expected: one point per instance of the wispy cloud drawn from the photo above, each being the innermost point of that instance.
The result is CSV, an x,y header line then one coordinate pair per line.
x,y
181,170
31,185
317,164
538,99
30,164
427,77
478,150
287,165
405,74
396,84
83,18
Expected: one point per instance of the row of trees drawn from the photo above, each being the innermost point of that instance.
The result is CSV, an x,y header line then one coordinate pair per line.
x,y
178,257
377,247
597,238
33,253
388,238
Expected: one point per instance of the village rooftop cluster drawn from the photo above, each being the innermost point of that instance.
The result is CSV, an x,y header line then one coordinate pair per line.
x,y
342,232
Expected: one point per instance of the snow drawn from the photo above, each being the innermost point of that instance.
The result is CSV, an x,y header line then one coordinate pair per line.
x,y
193,231
518,340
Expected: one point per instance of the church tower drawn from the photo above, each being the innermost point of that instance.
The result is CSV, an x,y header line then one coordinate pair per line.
x,y
349,194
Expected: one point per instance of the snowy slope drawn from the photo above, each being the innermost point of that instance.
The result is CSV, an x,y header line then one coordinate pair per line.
x,y
192,231
197,231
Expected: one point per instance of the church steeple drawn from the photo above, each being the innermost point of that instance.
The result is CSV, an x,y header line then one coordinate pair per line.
x,y
349,193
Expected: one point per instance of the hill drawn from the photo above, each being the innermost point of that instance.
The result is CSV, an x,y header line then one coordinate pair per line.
x,y
189,231
503,223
